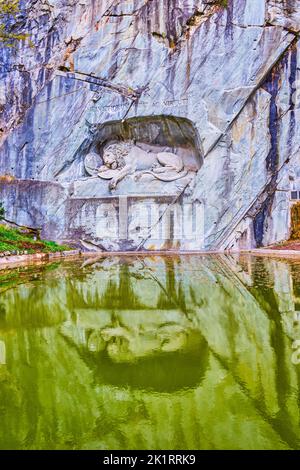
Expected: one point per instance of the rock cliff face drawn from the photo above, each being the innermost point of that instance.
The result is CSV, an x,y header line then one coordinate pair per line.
x,y
214,82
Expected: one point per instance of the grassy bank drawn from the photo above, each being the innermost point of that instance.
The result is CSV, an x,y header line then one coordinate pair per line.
x,y
14,241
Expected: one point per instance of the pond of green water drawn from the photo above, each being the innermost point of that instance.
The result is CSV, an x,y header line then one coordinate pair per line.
x,y
190,352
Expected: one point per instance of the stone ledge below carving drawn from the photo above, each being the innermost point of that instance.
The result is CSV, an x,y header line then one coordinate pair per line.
x,y
94,187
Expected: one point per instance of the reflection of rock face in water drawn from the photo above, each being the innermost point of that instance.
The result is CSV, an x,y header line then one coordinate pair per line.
x,y
130,353
150,344
165,356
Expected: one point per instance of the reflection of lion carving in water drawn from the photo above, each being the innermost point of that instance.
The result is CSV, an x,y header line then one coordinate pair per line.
x,y
124,159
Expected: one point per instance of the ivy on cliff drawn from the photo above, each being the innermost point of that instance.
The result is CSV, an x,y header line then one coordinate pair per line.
x,y
8,11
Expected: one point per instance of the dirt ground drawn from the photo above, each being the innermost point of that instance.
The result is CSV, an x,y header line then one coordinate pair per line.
x,y
289,245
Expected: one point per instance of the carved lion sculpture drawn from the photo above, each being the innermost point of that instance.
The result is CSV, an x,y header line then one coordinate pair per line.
x,y
124,159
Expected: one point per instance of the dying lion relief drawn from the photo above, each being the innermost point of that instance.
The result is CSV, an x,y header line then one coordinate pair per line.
x,y
123,159
295,222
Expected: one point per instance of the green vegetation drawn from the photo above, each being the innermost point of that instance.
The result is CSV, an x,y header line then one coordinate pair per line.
x,y
2,212
14,241
9,9
21,275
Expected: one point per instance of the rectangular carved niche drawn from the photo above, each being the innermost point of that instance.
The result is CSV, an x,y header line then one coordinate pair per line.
x,y
137,223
